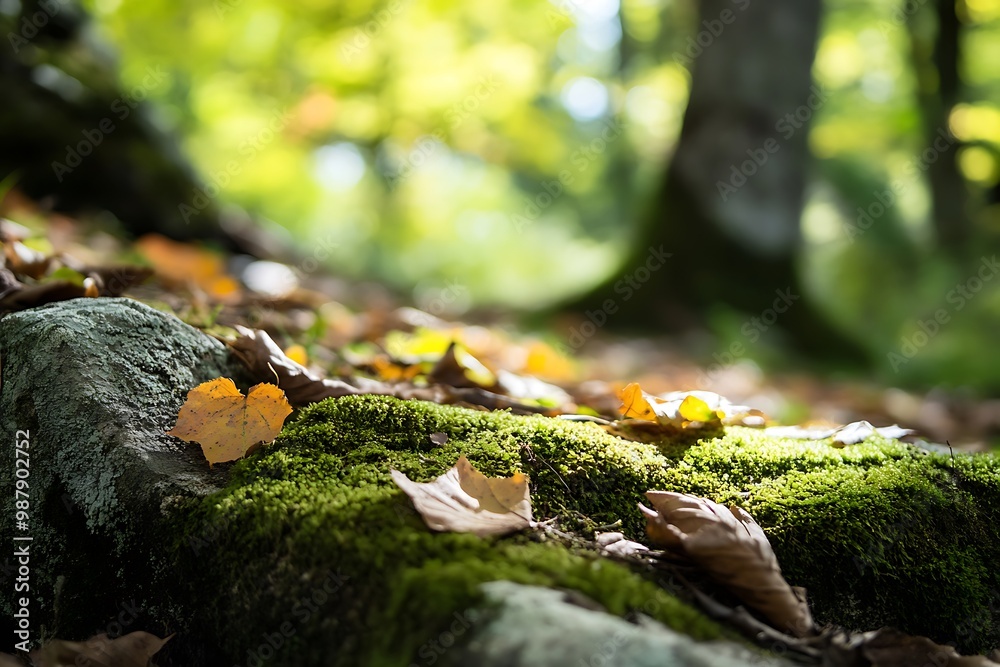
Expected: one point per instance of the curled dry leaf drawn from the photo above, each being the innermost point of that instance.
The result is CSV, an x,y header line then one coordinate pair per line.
x,y
264,358
135,649
226,423
464,500
616,545
850,434
729,545
891,648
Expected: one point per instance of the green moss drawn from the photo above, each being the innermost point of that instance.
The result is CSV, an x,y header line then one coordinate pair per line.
x,y
879,533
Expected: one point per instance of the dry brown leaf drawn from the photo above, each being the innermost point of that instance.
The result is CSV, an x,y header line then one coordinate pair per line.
x,y
26,261
226,423
135,649
729,545
891,648
8,282
463,500
264,358
617,545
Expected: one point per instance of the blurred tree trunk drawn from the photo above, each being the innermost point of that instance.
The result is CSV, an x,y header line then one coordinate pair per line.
x,y
730,206
78,141
935,39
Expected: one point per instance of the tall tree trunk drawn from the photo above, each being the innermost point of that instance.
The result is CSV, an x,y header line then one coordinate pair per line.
x,y
936,56
730,206
80,142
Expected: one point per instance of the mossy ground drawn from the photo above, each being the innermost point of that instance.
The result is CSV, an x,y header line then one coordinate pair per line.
x,y
880,533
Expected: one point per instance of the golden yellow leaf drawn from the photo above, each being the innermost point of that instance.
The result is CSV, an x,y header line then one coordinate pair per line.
x,y
693,409
634,403
226,423
298,354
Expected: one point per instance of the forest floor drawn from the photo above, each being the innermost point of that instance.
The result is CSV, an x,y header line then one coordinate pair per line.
x,y
338,327
319,335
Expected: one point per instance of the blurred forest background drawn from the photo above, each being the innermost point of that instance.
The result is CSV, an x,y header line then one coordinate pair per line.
x,y
534,152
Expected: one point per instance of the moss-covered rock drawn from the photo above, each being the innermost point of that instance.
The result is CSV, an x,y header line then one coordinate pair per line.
x,y
880,533
306,553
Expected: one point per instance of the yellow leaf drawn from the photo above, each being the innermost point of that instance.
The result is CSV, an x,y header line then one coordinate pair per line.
x,y
693,409
298,354
227,424
634,403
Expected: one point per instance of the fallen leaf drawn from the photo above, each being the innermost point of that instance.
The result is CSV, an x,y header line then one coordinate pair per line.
x,y
648,416
26,261
264,359
891,648
298,354
851,434
135,649
8,282
227,424
184,263
616,545
458,368
525,387
463,500
729,545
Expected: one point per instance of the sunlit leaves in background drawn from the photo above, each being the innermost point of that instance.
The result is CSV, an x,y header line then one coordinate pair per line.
x,y
515,146
434,140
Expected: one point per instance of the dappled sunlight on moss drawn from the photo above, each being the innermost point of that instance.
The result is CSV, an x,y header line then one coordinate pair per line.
x,y
879,533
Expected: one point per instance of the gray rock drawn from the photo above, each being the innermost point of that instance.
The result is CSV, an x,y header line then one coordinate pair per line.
x,y
95,383
528,626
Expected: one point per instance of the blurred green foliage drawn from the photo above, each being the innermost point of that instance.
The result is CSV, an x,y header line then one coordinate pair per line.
x,y
514,146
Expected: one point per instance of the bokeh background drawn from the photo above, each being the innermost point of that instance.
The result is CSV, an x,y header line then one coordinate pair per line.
x,y
522,149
